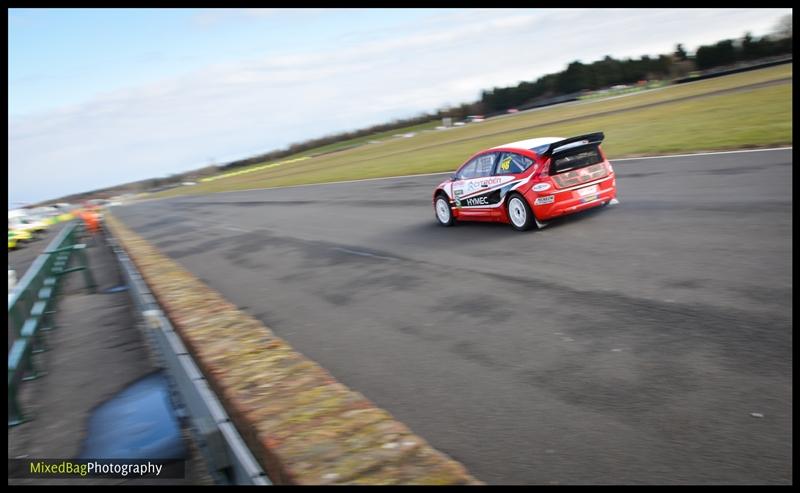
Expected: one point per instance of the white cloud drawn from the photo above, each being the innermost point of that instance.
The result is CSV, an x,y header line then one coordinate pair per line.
x,y
214,17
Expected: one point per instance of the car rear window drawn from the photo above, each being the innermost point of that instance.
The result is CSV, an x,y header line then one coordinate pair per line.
x,y
579,158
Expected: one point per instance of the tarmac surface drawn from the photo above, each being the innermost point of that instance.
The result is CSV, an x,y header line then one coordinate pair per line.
x,y
644,343
96,351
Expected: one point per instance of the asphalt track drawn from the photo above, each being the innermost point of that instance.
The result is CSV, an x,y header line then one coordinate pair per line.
x,y
645,343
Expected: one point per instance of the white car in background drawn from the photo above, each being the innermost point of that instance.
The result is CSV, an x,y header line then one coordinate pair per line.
x,y
21,220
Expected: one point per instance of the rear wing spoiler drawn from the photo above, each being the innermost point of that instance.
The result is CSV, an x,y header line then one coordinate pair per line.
x,y
586,140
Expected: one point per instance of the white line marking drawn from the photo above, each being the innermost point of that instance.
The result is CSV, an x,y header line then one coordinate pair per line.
x,y
710,153
231,228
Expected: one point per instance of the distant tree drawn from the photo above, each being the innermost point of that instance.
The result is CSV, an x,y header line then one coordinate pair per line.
x,y
574,79
722,53
680,53
752,48
609,72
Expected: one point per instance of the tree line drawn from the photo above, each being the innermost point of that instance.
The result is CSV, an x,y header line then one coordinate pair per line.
x,y
609,72
730,52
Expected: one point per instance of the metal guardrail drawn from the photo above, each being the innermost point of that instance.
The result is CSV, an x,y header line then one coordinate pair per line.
x,y
31,305
230,461
734,69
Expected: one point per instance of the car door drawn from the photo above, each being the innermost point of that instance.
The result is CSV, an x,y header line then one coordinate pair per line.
x,y
472,189
512,171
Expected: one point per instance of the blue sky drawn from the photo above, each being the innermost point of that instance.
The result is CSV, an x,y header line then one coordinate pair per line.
x,y
99,97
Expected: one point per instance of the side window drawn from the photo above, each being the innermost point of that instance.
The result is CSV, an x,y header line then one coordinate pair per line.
x,y
479,167
511,163
468,171
485,164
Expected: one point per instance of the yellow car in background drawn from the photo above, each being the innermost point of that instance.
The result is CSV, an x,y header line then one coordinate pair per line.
x,y
17,236
25,228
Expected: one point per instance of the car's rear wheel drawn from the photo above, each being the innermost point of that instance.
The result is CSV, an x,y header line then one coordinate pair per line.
x,y
520,213
443,212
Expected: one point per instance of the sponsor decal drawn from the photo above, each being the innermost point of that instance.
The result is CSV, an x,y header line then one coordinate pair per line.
x,y
541,187
547,199
506,164
489,182
478,200
459,193
491,198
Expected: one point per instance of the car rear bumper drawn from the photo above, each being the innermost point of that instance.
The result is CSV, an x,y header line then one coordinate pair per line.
x,y
574,199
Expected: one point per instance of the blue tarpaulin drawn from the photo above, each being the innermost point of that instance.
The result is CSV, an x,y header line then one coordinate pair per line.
x,y
137,423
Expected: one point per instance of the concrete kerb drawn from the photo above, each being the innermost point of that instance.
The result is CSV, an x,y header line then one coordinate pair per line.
x,y
301,425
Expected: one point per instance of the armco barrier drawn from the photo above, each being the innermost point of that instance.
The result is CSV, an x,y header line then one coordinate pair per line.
x,y
229,460
31,305
710,74
299,423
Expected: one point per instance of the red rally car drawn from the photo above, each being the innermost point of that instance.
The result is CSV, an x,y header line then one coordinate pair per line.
x,y
527,183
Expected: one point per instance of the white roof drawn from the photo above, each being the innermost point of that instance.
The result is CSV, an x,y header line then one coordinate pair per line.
x,y
531,143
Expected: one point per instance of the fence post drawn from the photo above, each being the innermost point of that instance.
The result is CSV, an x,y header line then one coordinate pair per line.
x,y
15,416
87,272
16,368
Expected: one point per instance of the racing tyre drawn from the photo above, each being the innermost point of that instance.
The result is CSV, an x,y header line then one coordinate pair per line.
x,y
443,212
520,213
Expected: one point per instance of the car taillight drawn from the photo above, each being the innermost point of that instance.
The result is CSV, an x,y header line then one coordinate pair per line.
x,y
566,180
582,175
